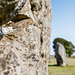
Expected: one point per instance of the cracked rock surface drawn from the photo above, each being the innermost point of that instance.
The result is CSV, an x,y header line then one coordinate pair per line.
x,y
9,9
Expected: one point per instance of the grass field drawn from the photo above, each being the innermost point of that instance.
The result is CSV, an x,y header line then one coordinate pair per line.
x,y
58,70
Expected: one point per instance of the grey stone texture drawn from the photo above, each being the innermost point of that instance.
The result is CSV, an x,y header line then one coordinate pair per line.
x,y
60,54
9,9
25,46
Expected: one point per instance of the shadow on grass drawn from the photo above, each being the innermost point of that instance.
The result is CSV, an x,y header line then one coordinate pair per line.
x,y
68,66
53,65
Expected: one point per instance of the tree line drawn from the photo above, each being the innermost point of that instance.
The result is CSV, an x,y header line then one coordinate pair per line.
x,y
69,47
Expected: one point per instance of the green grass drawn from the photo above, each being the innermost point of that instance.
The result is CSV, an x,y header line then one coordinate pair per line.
x,y
58,70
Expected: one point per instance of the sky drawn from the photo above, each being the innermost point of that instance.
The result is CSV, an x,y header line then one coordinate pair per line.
x,y
63,21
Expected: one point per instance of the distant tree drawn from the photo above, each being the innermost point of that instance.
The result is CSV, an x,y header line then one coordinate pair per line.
x,y
69,47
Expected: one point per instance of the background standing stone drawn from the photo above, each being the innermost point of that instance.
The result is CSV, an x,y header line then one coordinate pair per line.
x,y
60,54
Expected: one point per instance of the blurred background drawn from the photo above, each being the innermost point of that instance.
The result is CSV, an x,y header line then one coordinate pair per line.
x,y
63,21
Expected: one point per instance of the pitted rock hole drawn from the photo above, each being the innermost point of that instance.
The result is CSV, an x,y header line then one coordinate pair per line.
x,y
1,33
2,64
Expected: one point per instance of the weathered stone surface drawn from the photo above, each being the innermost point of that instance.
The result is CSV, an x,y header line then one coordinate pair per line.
x,y
60,54
9,9
25,46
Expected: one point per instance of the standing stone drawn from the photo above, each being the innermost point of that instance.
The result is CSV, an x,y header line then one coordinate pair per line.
x,y
25,46
60,54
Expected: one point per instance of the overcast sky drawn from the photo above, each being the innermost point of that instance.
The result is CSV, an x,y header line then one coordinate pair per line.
x,y
63,20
